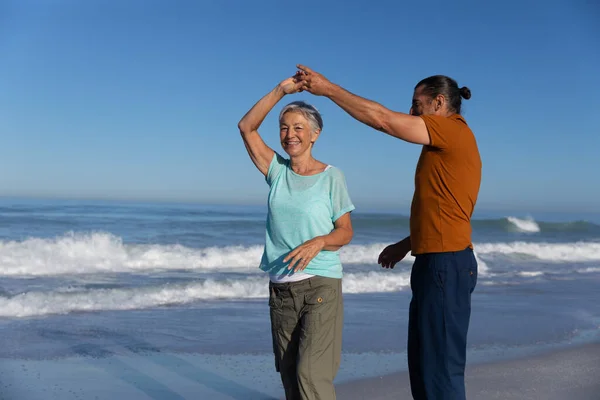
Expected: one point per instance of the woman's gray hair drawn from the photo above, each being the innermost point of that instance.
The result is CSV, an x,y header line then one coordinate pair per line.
x,y
310,113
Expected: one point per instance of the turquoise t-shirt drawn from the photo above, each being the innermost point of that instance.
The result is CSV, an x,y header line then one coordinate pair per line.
x,y
301,208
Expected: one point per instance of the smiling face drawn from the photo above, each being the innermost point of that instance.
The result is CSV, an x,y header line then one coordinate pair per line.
x,y
296,134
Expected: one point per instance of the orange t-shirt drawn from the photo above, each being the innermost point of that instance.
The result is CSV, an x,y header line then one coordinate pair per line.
x,y
447,183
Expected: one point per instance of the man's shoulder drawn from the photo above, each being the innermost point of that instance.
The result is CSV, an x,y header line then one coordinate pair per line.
x,y
457,125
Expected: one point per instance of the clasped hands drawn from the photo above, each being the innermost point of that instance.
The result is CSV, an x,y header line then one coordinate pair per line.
x,y
308,80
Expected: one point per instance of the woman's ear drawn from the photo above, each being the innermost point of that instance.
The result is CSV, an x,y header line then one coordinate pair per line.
x,y
315,135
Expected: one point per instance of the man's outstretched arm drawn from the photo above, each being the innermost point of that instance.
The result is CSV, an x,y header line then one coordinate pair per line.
x,y
403,126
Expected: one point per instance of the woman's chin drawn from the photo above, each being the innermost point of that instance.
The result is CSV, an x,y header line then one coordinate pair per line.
x,y
294,152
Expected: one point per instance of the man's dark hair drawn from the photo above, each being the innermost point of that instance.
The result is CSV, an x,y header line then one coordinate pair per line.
x,y
447,87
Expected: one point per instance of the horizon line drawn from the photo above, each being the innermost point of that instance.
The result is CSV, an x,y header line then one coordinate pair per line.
x,y
387,207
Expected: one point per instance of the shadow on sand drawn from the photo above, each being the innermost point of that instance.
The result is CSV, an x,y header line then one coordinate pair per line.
x,y
153,388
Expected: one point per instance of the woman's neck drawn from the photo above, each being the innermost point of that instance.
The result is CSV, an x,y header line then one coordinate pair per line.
x,y
305,164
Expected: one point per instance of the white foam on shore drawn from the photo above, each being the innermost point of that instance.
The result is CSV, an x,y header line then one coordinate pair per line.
x,y
67,300
529,274
552,252
588,270
97,253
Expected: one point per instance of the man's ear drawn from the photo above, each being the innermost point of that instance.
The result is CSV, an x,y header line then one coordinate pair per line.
x,y
440,101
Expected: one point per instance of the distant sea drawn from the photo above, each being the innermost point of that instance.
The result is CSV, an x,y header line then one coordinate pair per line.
x,y
91,278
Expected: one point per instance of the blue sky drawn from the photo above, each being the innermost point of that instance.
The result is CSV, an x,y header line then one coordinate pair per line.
x,y
141,99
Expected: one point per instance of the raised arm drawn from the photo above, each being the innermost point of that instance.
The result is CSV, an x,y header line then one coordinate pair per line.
x,y
402,126
259,152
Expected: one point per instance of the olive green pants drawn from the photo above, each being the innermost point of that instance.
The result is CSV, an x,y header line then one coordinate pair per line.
x,y
306,323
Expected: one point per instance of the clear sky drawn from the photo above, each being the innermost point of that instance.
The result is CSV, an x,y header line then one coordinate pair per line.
x,y
141,99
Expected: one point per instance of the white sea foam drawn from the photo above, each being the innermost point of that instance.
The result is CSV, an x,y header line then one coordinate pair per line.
x,y
375,282
588,270
553,252
105,253
530,274
524,225
86,300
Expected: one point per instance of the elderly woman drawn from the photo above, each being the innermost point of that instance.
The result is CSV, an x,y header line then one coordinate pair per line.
x,y
308,222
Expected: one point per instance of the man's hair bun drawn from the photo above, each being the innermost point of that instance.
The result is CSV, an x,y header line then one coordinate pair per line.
x,y
465,93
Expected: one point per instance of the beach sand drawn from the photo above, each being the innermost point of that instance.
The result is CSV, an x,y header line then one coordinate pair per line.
x,y
570,374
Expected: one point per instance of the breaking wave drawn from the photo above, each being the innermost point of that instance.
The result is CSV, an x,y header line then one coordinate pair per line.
x,y
86,300
105,253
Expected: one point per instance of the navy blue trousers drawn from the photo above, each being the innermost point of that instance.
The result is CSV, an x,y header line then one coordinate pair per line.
x,y
439,315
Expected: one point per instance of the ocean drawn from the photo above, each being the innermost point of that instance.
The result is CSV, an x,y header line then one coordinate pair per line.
x,y
82,282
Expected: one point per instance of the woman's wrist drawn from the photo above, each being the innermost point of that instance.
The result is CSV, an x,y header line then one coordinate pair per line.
x,y
322,241
279,91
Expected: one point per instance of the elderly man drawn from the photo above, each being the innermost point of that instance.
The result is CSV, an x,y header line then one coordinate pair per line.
x,y
447,181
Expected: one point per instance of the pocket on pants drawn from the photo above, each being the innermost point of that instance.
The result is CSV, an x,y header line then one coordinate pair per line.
x,y
276,316
275,310
473,273
437,265
320,306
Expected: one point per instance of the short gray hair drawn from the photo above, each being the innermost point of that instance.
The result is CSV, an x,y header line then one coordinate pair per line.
x,y
310,113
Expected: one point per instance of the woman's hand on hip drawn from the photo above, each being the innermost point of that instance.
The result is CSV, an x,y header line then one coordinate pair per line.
x,y
303,254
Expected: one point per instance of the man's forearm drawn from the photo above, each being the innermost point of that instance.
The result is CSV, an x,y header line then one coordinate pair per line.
x,y
366,111
406,242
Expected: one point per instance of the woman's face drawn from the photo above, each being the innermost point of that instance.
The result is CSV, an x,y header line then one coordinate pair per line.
x,y
296,134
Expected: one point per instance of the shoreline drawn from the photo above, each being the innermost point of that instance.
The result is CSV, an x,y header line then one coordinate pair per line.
x,y
557,373
567,373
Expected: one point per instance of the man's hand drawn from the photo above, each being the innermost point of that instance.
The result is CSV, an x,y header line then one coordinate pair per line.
x,y
393,254
313,82
304,253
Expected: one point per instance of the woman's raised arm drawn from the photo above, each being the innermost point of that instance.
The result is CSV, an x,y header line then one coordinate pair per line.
x,y
259,152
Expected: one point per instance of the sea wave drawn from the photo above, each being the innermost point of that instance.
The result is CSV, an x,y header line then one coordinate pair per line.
x,y
530,225
506,224
551,252
100,252
524,225
63,301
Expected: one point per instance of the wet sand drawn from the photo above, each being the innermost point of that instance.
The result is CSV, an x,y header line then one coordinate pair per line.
x,y
569,374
